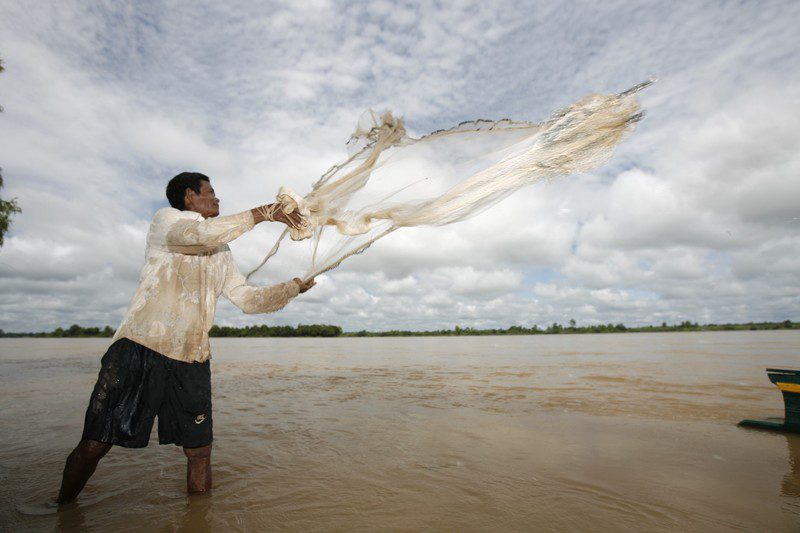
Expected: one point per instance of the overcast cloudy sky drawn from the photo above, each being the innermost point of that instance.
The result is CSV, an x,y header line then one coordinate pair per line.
x,y
697,216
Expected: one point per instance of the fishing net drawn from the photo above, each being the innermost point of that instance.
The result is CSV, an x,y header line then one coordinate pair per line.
x,y
393,180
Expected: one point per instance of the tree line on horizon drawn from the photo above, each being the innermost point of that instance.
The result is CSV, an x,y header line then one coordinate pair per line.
x,y
556,328
327,330
302,330
73,331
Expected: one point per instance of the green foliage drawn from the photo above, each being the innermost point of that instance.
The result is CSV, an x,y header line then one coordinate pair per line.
x,y
7,207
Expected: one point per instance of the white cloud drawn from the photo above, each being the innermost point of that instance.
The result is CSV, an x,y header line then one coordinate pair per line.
x,y
696,217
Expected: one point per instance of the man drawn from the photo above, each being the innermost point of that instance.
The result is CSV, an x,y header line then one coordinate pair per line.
x,y
158,363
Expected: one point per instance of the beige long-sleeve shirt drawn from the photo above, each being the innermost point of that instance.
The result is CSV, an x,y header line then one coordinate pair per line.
x,y
188,265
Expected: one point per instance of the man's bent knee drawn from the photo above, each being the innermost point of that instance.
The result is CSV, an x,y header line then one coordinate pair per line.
x,y
79,467
198,453
93,450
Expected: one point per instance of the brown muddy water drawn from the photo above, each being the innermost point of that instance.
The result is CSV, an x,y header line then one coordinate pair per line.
x,y
629,432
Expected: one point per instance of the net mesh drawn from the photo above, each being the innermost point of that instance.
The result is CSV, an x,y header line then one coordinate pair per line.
x,y
392,180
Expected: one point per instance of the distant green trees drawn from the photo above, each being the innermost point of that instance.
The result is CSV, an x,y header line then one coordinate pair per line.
x,y
326,330
73,331
302,330
555,329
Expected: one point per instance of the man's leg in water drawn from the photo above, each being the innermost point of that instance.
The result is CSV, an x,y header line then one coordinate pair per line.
x,y
198,469
80,466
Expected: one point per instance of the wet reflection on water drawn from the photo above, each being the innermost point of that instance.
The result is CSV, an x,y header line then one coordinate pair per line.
x,y
196,514
72,518
791,481
582,432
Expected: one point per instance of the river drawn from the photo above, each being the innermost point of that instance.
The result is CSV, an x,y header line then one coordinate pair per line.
x,y
612,432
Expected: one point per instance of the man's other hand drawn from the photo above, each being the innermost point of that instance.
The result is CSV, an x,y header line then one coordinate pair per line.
x,y
275,212
304,286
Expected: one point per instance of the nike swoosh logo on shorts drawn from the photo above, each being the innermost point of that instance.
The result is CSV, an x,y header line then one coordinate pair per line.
x,y
200,419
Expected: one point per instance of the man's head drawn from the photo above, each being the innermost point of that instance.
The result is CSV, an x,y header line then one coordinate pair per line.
x,y
192,191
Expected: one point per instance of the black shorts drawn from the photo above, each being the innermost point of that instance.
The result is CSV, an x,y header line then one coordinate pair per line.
x,y
135,385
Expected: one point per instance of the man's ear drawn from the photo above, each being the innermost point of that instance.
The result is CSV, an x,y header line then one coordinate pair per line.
x,y
188,195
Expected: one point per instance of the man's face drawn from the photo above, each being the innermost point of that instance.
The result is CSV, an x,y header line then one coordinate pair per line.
x,y
206,203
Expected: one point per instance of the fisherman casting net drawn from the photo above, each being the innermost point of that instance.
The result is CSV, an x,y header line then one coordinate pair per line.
x,y
392,180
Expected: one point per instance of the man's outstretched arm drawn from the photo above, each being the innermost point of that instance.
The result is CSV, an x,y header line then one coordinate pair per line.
x,y
252,299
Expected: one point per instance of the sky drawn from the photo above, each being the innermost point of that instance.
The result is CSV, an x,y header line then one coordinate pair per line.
x,y
696,216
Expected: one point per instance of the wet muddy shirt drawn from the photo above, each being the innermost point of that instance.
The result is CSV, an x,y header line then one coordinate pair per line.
x,y
188,265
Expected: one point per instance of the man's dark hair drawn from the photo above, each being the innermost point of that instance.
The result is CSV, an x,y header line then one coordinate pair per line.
x,y
176,188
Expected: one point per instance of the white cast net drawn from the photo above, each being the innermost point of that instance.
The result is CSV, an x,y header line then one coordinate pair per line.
x,y
393,180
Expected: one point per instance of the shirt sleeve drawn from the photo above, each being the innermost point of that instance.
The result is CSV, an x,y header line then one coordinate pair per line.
x,y
196,236
252,299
